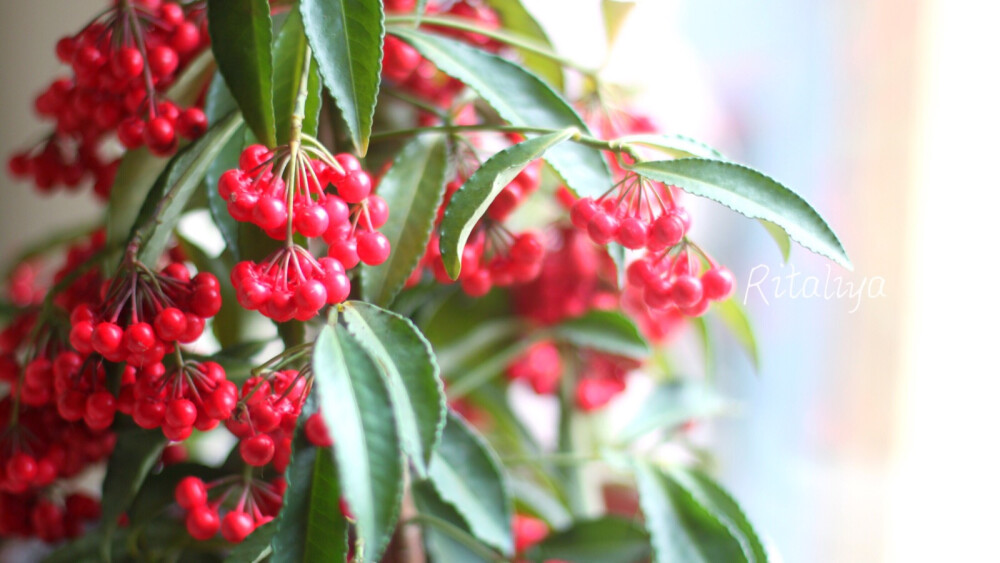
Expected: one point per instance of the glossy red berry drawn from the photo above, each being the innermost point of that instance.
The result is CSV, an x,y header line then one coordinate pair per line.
x,y
373,247
257,450
236,526
170,324
686,290
717,283
355,187
202,522
22,467
317,432
191,492
106,339
180,412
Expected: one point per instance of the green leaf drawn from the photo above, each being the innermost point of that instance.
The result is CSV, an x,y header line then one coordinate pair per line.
x,y
672,404
447,537
753,194
135,454
680,527
227,159
289,54
606,331
407,362
521,98
414,188
357,410
256,547
187,88
471,201
538,501
310,525
516,18
241,41
468,476
735,317
615,13
136,177
346,38
609,539
717,501
677,146
166,201
780,238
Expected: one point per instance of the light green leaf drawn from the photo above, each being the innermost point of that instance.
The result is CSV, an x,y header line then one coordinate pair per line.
x,y
414,188
753,194
672,404
468,476
615,13
289,58
135,454
310,525
407,362
356,407
136,176
606,331
609,539
521,98
186,171
346,38
735,318
677,146
241,40
780,238
470,202
681,528
517,19
539,501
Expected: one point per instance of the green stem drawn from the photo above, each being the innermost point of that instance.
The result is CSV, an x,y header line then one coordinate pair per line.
x,y
507,38
457,534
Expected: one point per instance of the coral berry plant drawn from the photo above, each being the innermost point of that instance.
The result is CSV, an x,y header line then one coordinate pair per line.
x,y
427,213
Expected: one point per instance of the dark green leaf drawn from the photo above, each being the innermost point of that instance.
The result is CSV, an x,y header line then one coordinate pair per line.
x,y
609,539
414,188
734,316
175,186
717,501
290,48
780,238
135,454
310,525
256,547
407,361
346,38
605,331
753,194
471,201
681,528
516,18
671,405
241,42
448,538
357,410
468,476
522,99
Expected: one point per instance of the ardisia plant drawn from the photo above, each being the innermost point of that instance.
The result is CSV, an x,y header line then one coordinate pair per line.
x,y
426,214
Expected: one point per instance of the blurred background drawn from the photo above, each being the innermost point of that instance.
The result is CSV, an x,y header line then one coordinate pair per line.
x,y
869,433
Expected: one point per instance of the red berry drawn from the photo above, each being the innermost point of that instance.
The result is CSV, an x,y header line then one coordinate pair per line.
x,y
222,401
236,526
373,248
686,291
101,406
202,522
317,432
192,123
180,412
270,213
355,187
139,338
528,531
206,302
128,63
191,492
527,248
170,324
717,283
106,339
582,211
310,296
22,467
633,233
257,450
378,210
163,60
602,227
253,156
311,221
346,252
668,229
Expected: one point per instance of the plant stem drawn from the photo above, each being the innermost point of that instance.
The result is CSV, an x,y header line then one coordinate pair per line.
x,y
507,38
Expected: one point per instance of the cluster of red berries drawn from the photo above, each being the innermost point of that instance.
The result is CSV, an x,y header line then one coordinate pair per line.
x,y
493,257
257,502
540,366
267,415
42,518
122,65
145,314
673,281
188,396
634,215
408,70
290,284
